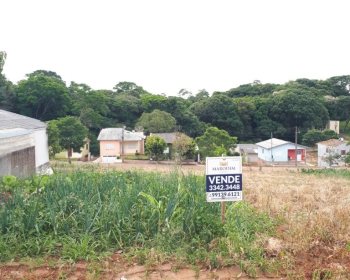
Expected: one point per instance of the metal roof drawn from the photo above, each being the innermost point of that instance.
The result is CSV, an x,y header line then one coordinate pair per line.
x,y
274,142
117,134
13,132
10,120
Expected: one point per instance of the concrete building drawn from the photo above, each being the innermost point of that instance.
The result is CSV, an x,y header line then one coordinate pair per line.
x,y
23,145
333,125
332,152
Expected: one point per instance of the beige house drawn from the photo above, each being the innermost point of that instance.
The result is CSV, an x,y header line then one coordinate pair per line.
x,y
115,142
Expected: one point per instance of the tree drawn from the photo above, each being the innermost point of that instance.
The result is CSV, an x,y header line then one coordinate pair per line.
x,y
314,136
215,142
186,121
301,109
129,88
219,111
54,138
157,121
331,158
340,85
343,107
72,134
125,109
155,146
184,147
347,159
151,102
42,97
6,88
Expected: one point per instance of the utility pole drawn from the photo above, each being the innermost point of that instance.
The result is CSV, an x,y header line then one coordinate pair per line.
x,y
271,149
122,155
296,146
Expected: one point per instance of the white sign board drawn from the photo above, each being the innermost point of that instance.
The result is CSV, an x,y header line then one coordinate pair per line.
x,y
223,179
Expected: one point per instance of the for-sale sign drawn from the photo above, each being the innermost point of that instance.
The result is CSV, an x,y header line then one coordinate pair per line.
x,y
223,179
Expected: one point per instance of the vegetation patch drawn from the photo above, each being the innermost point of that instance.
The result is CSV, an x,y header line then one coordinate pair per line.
x,y
151,217
345,173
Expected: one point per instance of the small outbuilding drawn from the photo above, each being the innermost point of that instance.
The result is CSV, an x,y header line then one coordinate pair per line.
x,y
23,145
277,150
116,142
249,152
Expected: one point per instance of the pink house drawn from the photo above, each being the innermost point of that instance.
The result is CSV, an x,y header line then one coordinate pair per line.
x,y
115,142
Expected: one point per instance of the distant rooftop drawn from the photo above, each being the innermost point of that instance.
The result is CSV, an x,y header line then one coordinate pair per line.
x,y
10,120
272,143
117,134
332,142
168,137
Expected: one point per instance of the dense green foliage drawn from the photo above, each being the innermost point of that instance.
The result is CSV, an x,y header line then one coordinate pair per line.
x,y
215,142
155,146
157,121
66,133
82,215
313,136
250,112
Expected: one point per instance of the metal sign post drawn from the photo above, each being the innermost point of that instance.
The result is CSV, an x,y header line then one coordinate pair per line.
x,y
223,180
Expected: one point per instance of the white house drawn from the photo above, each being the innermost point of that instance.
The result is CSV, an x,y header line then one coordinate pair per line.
x,y
277,150
23,145
332,148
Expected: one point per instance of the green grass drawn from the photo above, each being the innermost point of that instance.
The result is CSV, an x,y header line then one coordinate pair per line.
x,y
345,173
152,217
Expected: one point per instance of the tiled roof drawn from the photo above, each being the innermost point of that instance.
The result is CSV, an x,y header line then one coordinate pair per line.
x,y
10,120
248,148
169,137
331,142
117,134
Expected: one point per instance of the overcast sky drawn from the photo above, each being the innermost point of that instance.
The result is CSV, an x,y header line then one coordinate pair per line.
x,y
164,45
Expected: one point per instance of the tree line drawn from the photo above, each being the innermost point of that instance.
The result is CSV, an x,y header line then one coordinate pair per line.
x,y
250,112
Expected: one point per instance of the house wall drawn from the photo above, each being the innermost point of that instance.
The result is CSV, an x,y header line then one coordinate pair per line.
x,y
133,147
114,148
109,148
41,149
333,125
278,154
324,150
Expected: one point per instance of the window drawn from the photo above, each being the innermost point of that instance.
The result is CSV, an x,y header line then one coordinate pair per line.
x,y
109,146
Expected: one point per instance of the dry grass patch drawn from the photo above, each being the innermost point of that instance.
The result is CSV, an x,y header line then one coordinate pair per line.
x,y
315,214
